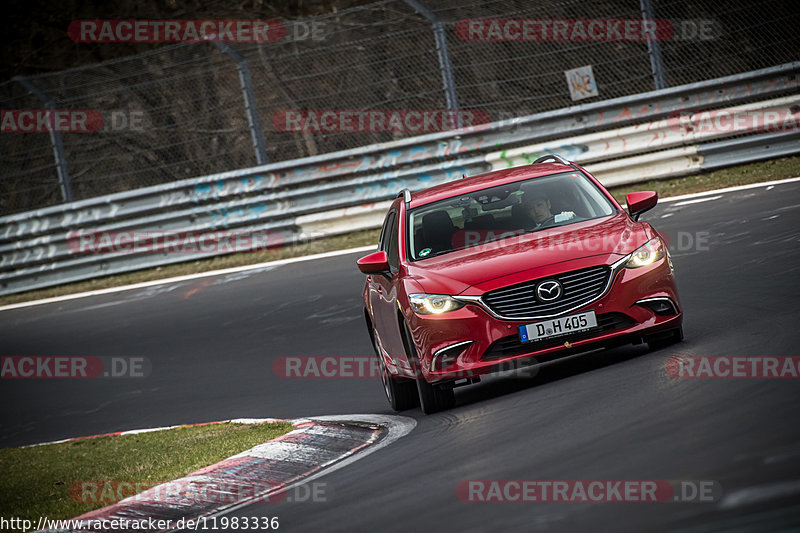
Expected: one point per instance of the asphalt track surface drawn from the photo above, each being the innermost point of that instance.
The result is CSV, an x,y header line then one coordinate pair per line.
x,y
610,415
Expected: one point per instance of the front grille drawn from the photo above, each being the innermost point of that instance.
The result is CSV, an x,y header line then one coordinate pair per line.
x,y
519,301
512,345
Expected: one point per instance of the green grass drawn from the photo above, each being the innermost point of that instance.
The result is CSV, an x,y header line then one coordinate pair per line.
x,y
787,167
36,481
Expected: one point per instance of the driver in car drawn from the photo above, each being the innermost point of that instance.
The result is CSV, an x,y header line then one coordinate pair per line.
x,y
537,207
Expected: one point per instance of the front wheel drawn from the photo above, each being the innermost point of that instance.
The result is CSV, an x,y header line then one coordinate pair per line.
x,y
401,393
432,398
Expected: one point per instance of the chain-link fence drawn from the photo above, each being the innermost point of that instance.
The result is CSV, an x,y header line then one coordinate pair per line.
x,y
180,111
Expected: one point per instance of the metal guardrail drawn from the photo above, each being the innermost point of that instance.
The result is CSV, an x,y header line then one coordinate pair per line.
x,y
637,139
622,140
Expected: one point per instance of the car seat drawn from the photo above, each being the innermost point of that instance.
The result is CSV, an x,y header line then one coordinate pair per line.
x,y
437,231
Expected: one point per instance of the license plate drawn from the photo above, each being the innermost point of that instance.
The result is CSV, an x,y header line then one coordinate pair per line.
x,y
557,327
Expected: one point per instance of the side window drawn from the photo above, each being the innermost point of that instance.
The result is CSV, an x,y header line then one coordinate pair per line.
x,y
383,243
394,249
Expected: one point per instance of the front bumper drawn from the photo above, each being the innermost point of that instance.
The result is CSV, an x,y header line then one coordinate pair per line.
x,y
474,341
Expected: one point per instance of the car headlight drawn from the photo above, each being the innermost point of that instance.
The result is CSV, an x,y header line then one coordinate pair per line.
x,y
647,254
433,304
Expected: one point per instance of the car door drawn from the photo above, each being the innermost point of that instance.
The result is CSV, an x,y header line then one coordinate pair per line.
x,y
384,290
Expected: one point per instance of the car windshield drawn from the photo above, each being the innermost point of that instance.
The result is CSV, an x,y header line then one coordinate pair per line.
x,y
504,211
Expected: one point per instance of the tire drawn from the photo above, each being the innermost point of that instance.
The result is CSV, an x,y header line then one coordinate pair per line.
x,y
664,339
401,393
432,398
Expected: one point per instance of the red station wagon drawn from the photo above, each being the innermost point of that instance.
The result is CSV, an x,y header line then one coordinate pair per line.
x,y
511,268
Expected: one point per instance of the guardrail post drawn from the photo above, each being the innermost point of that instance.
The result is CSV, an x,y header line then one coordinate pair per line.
x,y
55,139
259,145
448,80
653,47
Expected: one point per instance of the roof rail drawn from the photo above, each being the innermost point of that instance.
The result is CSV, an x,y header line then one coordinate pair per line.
x,y
406,194
554,157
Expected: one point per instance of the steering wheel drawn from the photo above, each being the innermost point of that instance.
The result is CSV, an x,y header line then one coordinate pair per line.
x,y
548,222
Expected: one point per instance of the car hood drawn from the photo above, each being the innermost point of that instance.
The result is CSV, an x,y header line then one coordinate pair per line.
x,y
598,241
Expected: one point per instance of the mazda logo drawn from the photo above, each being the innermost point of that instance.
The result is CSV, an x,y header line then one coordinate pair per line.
x,y
549,290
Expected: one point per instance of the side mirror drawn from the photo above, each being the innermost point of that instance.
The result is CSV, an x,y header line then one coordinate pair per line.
x,y
639,202
374,263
